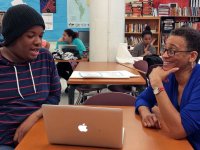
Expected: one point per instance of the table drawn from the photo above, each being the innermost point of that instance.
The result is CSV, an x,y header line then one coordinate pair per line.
x,y
136,137
102,66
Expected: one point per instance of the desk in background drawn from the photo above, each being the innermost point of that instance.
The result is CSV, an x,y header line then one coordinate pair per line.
x,y
102,66
136,137
77,60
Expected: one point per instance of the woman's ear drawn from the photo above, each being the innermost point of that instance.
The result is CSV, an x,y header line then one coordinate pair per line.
x,y
193,56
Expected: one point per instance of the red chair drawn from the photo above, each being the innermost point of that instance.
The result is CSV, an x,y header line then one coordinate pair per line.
x,y
111,99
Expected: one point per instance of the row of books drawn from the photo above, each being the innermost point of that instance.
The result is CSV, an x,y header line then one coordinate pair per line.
x,y
139,8
145,8
167,24
135,27
131,40
195,3
194,25
186,11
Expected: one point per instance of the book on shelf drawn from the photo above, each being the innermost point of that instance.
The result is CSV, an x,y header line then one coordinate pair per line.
x,y
147,8
135,27
163,10
167,24
128,9
133,40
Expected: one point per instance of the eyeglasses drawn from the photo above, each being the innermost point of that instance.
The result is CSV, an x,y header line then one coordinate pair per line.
x,y
171,52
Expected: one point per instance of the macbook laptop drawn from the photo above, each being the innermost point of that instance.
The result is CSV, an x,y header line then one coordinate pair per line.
x,y
84,125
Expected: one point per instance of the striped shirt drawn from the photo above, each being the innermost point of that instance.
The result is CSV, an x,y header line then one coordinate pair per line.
x,y
23,89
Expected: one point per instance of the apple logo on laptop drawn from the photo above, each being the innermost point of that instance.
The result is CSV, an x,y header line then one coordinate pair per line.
x,y
83,127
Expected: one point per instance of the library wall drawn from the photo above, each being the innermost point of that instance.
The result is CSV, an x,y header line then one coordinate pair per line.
x,y
59,18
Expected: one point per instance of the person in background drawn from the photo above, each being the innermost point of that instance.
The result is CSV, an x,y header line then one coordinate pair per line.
x,y
28,75
69,37
145,47
174,92
45,44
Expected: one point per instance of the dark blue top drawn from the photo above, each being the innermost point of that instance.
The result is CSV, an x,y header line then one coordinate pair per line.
x,y
189,107
23,89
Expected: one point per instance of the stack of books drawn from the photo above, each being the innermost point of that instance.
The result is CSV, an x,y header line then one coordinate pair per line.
x,y
137,7
168,24
147,8
128,9
163,10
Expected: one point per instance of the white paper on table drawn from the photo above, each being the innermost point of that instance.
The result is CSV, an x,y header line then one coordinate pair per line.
x,y
103,74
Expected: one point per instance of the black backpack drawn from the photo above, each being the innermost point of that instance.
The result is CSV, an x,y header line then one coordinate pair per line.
x,y
153,60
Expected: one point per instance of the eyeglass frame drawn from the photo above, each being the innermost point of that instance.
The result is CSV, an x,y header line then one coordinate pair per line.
x,y
171,50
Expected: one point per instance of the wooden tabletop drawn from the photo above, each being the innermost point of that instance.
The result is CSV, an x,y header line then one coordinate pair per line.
x,y
106,66
136,137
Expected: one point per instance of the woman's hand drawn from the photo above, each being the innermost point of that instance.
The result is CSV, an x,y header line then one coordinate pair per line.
x,y
146,50
148,119
158,75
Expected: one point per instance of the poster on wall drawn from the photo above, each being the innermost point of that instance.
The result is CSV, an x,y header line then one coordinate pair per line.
x,y
17,2
48,20
78,13
48,6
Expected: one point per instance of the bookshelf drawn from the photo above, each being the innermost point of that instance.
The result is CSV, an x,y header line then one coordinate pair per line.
x,y
134,27
169,23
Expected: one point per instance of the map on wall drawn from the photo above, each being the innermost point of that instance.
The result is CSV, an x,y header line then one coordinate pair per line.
x,y
78,13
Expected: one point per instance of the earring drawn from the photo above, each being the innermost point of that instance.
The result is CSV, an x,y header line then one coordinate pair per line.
x,y
192,64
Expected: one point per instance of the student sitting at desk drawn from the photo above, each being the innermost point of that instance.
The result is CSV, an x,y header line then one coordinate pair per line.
x,y
175,88
69,37
144,48
28,75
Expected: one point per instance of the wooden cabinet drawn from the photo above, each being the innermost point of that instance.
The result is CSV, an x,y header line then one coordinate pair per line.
x,y
134,27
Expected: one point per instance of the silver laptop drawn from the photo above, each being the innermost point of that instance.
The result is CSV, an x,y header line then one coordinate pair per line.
x,y
84,125
67,48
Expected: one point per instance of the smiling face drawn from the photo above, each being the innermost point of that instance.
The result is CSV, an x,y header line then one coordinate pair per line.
x,y
26,47
180,59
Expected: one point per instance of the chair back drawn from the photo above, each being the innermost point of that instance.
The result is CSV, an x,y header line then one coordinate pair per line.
x,y
142,66
111,99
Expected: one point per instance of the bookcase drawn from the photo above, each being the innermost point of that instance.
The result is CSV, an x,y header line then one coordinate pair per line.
x,y
134,27
169,23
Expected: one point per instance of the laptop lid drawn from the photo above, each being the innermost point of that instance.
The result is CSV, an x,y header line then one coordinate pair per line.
x,y
68,48
83,125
